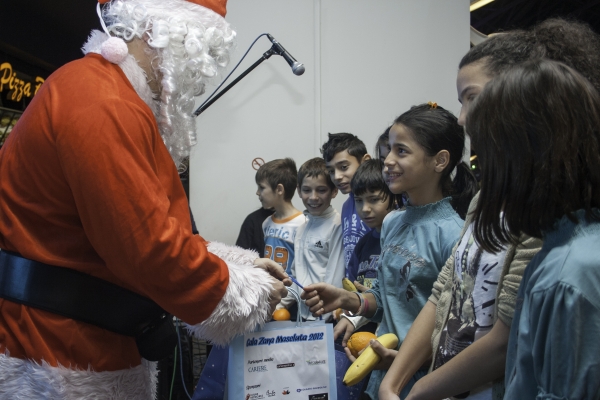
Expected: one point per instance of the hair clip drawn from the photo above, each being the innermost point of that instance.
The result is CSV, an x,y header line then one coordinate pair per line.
x,y
432,104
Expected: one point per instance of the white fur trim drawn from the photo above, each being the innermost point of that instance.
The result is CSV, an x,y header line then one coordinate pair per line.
x,y
233,254
134,73
24,379
246,301
94,42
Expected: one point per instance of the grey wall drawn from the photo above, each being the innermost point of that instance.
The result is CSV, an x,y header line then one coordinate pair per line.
x,y
366,63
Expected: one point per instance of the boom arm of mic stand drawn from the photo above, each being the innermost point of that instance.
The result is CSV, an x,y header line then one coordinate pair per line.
x,y
264,57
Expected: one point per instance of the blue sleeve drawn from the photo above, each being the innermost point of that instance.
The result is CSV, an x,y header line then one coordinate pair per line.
x,y
378,316
352,270
389,219
557,347
375,291
354,262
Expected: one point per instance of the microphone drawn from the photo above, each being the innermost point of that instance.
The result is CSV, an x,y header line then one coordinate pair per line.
x,y
297,68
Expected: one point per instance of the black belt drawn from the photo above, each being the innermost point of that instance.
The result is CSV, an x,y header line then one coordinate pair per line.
x,y
85,298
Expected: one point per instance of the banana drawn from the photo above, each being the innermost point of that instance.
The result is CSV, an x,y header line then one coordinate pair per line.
x,y
348,285
368,359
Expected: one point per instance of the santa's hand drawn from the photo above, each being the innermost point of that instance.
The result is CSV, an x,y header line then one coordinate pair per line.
x,y
277,293
274,269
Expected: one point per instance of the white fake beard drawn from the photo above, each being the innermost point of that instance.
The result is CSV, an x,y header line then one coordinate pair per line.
x,y
175,123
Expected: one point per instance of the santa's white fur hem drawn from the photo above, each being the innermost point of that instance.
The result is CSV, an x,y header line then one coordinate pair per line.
x,y
25,379
245,304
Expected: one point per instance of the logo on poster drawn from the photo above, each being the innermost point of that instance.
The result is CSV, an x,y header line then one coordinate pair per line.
x,y
311,388
288,365
260,368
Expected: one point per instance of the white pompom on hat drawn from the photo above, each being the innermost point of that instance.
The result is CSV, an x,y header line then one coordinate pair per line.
x,y
114,50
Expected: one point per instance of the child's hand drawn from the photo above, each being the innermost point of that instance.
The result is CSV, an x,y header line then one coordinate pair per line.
x,y
322,298
345,327
360,287
387,355
349,354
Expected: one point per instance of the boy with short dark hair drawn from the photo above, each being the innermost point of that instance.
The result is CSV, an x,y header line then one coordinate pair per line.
x,y
373,201
318,244
343,153
277,181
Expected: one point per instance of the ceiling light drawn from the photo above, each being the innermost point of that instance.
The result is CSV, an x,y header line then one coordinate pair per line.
x,y
475,4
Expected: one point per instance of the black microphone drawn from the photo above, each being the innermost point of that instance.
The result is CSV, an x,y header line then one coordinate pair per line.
x,y
297,68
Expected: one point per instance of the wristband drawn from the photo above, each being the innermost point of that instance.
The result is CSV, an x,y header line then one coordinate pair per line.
x,y
360,307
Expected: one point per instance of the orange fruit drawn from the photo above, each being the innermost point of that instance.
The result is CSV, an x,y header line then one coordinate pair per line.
x,y
358,341
281,315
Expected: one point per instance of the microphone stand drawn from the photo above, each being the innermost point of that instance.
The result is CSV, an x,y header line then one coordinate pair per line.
x,y
217,96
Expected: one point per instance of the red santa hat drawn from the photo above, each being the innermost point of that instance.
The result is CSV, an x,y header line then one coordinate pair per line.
x,y
218,6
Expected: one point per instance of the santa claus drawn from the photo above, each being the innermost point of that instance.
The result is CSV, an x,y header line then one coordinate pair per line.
x,y
95,228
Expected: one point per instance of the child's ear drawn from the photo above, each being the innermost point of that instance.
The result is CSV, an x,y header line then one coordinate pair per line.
x,y
442,159
280,190
365,158
299,191
334,192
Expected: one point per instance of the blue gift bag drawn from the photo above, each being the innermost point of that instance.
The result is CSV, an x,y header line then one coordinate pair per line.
x,y
212,381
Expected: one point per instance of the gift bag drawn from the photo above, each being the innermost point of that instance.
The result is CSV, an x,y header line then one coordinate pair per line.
x,y
284,360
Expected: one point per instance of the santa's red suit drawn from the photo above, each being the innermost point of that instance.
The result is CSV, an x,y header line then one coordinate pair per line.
x,y
87,183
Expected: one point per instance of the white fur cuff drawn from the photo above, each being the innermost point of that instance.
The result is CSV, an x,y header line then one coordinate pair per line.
x,y
246,301
233,254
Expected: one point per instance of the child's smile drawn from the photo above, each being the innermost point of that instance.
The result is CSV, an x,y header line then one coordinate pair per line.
x,y
408,168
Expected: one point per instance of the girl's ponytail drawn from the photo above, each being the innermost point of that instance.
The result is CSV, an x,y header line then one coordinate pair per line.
x,y
464,188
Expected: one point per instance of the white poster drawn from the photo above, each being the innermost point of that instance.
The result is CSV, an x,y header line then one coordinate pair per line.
x,y
290,364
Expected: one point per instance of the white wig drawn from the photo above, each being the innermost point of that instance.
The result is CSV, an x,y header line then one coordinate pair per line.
x,y
189,45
